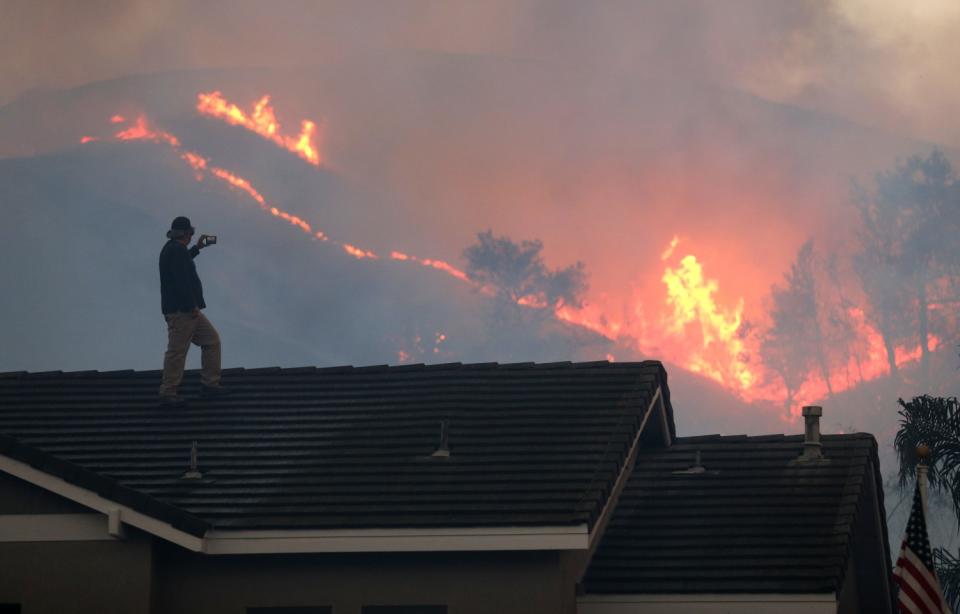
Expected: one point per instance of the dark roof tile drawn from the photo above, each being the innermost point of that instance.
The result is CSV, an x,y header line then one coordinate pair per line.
x,y
754,521
341,446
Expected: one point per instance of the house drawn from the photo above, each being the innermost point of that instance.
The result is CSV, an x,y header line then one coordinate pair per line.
x,y
483,488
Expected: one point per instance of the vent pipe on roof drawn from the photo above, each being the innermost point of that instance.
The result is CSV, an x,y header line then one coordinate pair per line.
x,y
443,450
696,469
812,448
193,473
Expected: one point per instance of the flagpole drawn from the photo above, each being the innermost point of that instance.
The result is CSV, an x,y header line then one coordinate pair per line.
x,y
923,452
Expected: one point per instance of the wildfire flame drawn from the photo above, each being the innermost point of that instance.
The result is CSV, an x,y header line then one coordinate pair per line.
x,y
439,265
262,119
695,330
695,313
141,131
359,253
202,168
700,333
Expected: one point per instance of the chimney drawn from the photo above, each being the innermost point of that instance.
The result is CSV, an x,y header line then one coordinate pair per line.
x,y
812,448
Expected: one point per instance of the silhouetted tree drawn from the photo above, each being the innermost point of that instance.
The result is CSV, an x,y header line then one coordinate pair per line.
x,y
909,240
516,272
778,354
846,335
795,342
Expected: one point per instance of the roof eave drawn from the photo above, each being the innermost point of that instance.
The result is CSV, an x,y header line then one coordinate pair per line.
x,y
571,537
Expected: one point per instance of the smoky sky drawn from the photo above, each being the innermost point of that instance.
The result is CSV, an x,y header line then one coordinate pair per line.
x,y
891,64
603,129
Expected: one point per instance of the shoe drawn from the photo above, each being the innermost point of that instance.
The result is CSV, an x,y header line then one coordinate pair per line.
x,y
213,392
172,401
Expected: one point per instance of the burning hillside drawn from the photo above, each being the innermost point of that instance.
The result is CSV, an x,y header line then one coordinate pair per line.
x,y
262,120
688,323
695,291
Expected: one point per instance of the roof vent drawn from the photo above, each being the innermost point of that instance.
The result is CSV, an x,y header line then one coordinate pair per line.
x,y
193,473
696,469
443,450
812,448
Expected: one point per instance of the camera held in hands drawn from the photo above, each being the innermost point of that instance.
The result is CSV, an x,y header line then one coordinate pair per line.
x,y
206,240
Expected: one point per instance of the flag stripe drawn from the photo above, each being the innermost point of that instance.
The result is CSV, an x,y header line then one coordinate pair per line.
x,y
906,604
924,579
911,586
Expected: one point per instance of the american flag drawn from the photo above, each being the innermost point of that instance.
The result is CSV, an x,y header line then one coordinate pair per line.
x,y
919,588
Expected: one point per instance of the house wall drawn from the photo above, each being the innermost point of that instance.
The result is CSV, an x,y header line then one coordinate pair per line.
x,y
57,557
69,566
468,583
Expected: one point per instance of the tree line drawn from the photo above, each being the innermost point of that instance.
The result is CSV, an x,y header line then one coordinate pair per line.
x,y
901,278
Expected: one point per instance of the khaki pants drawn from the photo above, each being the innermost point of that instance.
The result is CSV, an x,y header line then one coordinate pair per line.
x,y
182,329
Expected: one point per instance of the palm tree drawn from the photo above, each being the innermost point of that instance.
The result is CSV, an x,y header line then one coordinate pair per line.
x,y
948,569
934,421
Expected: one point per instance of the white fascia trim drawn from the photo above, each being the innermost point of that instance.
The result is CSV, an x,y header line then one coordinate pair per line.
x,y
95,502
398,540
574,537
711,598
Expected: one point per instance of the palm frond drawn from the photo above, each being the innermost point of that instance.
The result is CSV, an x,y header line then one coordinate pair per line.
x,y
934,421
948,571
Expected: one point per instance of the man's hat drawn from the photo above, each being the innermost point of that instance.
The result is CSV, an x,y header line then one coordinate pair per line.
x,y
179,227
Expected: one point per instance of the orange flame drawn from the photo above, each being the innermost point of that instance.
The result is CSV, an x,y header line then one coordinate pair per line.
x,y
197,162
88,139
696,330
357,252
117,119
141,131
439,265
719,351
241,184
263,121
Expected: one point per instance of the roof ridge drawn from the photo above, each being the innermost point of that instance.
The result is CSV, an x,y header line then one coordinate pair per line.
x,y
311,369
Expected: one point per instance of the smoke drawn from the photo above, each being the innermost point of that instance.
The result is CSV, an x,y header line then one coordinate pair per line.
x,y
887,63
602,129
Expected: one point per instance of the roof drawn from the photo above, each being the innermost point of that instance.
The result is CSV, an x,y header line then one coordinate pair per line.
x,y
343,447
756,521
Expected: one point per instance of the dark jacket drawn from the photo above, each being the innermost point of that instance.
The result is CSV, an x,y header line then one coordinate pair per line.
x,y
180,287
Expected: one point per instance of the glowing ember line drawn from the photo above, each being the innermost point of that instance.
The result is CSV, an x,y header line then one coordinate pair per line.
x,y
356,252
439,265
293,219
141,131
196,161
263,121
240,183
88,139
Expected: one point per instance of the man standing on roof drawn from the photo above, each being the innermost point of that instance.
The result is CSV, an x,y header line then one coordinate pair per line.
x,y
181,298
